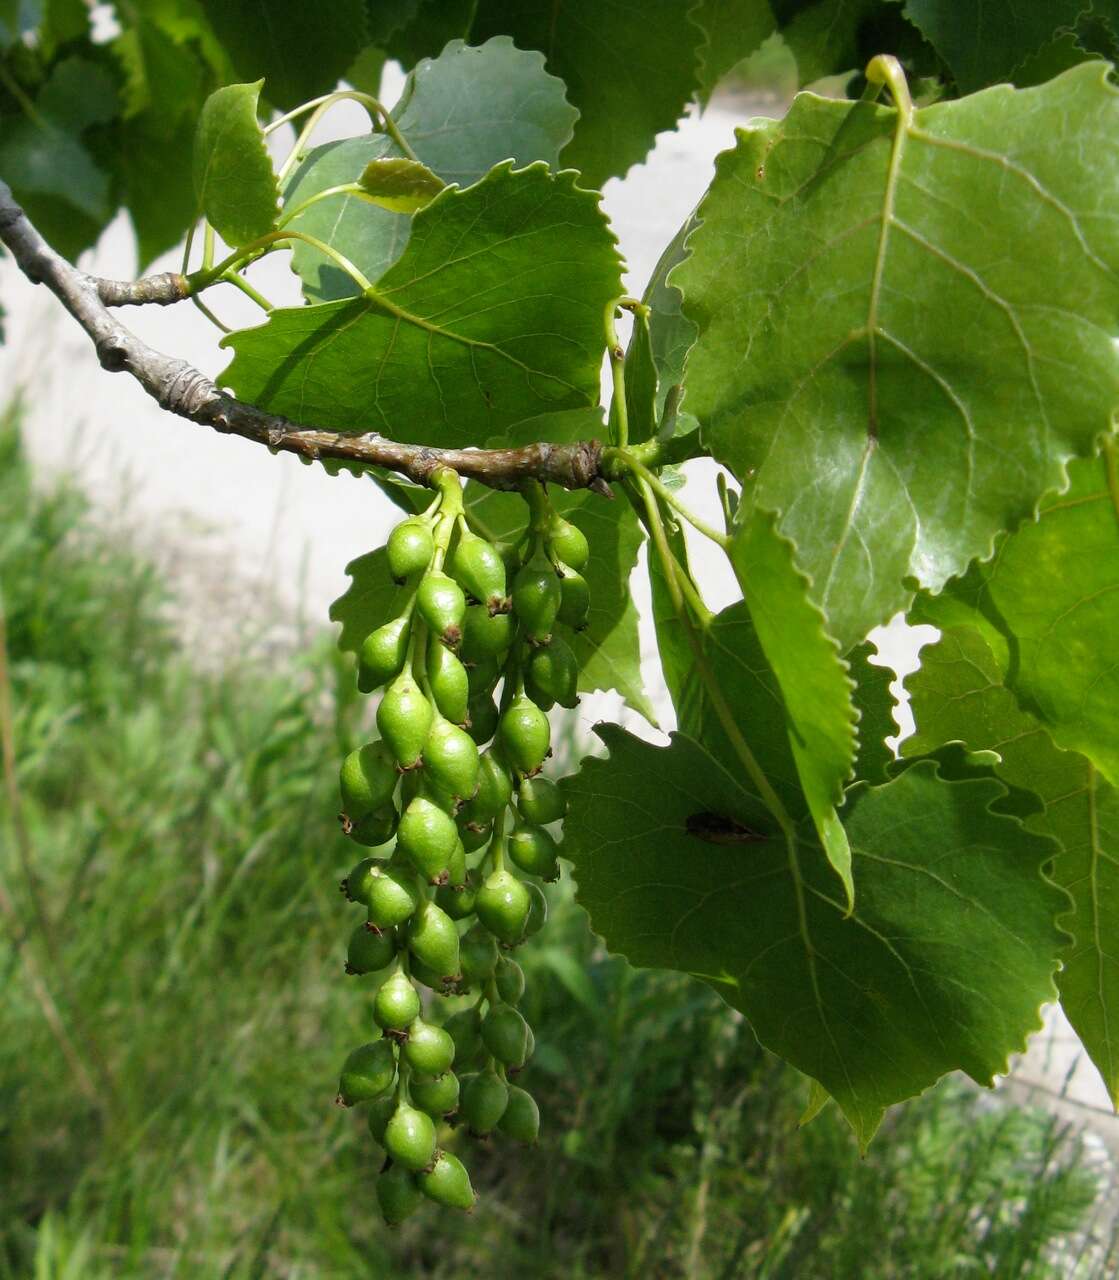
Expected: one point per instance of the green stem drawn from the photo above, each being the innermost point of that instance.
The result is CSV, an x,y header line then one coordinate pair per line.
x,y
619,413
236,279
342,189
319,107
652,453
220,324
207,247
199,280
740,746
666,495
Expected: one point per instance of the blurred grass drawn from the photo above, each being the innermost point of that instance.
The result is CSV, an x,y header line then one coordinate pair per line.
x,y
178,893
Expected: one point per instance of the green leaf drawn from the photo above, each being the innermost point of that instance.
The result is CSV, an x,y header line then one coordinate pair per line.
x,y
981,41
733,30
404,186
233,177
629,69
824,37
371,599
641,379
163,81
943,965
739,670
671,333
958,695
492,315
936,357
609,649
875,705
298,54
816,689
1054,586
461,113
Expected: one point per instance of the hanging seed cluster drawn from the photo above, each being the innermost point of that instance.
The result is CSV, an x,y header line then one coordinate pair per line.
x,y
469,668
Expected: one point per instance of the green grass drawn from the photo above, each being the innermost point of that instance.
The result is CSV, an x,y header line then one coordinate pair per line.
x,y
177,890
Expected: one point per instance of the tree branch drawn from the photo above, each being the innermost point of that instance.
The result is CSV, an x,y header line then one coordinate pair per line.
x,y
183,390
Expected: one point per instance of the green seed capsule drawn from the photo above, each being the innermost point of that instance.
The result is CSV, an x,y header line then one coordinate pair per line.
x,y
503,906
428,977
368,779
474,835
375,829
483,1102
525,734
404,719
521,1118
509,978
433,939
457,871
575,600
398,1195
465,1029
449,682
477,955
505,1035
555,670
483,714
567,542
541,697
357,884
392,895
442,606
437,1097
383,654
540,801
366,1073
537,910
478,567
534,851
447,1183
483,675
410,548
396,1004
536,598
410,1137
458,903
451,759
427,836
428,1049
495,790
485,635
369,952
378,1115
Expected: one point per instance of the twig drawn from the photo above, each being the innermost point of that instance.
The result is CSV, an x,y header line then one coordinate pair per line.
x,y
183,390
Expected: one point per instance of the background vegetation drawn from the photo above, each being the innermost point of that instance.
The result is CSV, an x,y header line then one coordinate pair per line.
x,y
175,877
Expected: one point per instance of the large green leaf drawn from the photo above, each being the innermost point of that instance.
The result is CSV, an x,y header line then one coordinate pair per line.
x,y
816,689
982,41
943,964
823,36
1054,586
958,695
630,70
368,602
233,177
733,29
299,53
671,333
875,704
609,649
461,113
872,352
492,315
